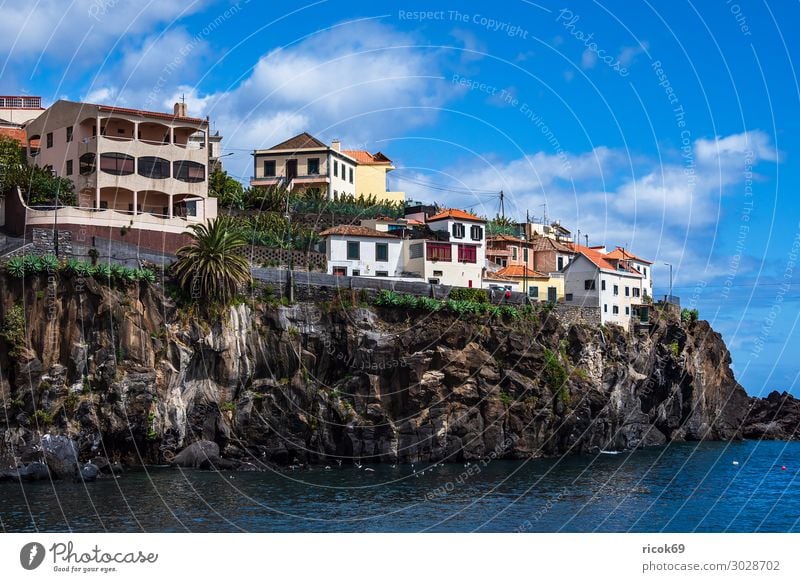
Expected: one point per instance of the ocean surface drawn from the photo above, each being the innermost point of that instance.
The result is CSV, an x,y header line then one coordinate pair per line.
x,y
686,487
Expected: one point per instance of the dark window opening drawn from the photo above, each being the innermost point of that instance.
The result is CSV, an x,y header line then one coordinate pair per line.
x,y
189,171
117,164
152,167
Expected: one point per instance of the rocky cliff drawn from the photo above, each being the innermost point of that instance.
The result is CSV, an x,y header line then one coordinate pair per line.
x,y
130,377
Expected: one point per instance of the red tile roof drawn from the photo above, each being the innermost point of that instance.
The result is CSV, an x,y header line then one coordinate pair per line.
x,y
602,261
365,158
521,271
354,230
505,238
621,253
143,113
457,214
496,276
544,243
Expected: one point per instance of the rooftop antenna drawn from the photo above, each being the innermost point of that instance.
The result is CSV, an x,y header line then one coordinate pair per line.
x,y
586,236
183,98
502,204
544,213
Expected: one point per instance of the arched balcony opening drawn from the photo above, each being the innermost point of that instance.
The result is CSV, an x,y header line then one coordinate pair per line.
x,y
189,136
87,129
116,128
154,202
33,145
119,199
154,133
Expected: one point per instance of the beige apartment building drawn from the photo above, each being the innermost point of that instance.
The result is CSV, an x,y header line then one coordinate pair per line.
x,y
138,169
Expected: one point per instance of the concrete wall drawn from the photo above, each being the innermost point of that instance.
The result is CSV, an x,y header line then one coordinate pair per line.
x,y
623,302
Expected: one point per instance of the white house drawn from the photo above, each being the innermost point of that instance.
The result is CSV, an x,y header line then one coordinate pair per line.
x,y
359,251
304,162
642,265
456,256
595,280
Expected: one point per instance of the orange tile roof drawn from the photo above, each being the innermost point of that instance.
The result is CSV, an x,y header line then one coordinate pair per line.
x,y
457,214
505,238
496,276
354,230
521,271
368,159
602,261
621,253
544,243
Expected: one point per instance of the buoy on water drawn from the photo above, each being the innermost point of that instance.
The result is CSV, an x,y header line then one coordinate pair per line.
x,y
736,462
783,467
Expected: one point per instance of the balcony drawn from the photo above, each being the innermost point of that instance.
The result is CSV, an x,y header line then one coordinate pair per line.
x,y
143,147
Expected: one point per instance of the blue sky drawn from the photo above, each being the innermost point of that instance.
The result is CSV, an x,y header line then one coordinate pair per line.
x,y
671,129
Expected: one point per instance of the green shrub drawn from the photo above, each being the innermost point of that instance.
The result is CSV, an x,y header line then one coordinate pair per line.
x,y
228,407
16,267
554,372
49,264
14,329
506,399
469,294
43,418
675,349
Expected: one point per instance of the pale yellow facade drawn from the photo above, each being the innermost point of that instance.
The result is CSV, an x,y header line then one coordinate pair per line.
x,y
371,180
542,287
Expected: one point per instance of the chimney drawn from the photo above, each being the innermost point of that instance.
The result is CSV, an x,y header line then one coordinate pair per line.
x,y
336,145
180,109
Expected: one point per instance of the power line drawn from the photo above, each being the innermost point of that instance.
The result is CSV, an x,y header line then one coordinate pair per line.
x,y
445,188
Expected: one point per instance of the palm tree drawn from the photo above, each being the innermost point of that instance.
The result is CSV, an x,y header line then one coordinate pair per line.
x,y
210,267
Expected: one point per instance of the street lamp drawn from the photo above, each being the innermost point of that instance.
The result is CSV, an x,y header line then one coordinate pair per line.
x,y
670,281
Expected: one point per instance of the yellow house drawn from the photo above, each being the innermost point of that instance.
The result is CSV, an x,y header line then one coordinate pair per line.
x,y
371,173
538,286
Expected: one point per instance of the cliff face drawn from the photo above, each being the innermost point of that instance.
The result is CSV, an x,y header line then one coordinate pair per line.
x,y
131,378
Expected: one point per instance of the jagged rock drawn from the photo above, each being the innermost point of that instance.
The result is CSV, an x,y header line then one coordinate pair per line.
x,y
89,472
60,455
198,455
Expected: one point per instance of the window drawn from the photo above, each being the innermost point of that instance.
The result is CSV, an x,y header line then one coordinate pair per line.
x,y
589,284
269,168
568,297
116,164
351,175
605,307
644,271
458,230
467,254
561,264
86,164
381,273
69,134
475,232
151,167
69,168
356,272
513,253
616,289
636,292
335,169
615,310
439,252
627,291
525,255
353,250
382,252
313,166
437,273
50,139
533,292
415,251
191,208
627,310
188,171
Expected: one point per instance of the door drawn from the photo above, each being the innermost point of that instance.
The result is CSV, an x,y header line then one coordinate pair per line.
x,y
291,170
552,294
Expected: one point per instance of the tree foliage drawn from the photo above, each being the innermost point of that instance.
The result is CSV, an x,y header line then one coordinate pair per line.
x,y
39,186
212,268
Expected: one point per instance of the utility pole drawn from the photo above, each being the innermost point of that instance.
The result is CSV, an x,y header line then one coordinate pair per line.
x,y
502,204
586,236
670,281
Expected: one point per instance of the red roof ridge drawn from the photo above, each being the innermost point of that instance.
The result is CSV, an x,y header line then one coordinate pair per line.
x,y
355,230
455,213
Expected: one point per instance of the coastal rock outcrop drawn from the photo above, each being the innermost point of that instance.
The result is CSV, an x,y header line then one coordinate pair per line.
x,y
128,377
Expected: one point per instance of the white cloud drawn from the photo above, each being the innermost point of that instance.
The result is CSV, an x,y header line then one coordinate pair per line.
x,y
60,30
